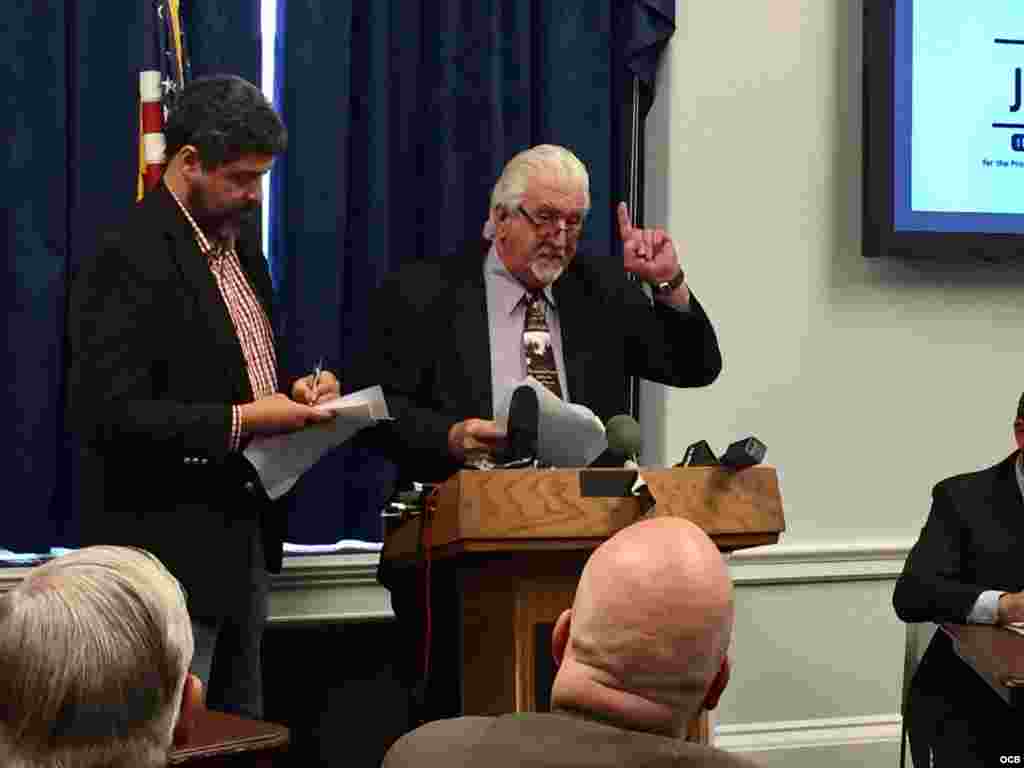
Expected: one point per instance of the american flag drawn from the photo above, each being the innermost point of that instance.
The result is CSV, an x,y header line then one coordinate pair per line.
x,y
164,72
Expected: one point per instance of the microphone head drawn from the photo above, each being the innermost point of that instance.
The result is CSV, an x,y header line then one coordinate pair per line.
x,y
523,419
624,438
744,453
699,454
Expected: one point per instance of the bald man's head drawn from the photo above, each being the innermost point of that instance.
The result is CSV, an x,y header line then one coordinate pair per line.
x,y
646,640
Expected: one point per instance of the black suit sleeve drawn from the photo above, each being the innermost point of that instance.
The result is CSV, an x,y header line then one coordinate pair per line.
x,y
933,585
407,331
672,347
119,325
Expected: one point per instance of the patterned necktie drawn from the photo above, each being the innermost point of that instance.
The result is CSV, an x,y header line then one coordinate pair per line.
x,y
540,356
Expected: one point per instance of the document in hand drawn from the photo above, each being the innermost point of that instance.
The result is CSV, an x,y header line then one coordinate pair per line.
x,y
569,434
280,460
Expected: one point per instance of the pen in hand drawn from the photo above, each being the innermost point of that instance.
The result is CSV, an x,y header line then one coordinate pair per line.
x,y
315,386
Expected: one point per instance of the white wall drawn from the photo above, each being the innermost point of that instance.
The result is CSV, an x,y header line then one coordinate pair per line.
x,y
869,380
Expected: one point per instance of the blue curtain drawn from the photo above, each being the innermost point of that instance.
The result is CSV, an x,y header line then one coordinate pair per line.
x,y
70,156
651,24
223,37
402,113
35,248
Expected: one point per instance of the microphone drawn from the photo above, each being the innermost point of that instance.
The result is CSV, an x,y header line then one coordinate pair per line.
x,y
523,429
744,453
699,454
741,454
624,439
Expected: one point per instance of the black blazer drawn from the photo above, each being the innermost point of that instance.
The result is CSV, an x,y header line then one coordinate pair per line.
x,y
430,348
155,366
971,542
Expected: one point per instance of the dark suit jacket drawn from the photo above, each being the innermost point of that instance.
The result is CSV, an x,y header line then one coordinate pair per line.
x,y
971,542
430,351
155,365
431,348
533,740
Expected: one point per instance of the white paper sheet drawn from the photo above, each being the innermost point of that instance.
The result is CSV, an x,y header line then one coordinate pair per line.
x,y
569,434
281,460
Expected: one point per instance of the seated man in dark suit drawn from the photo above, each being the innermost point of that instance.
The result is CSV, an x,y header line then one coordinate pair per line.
x,y
641,652
95,648
966,567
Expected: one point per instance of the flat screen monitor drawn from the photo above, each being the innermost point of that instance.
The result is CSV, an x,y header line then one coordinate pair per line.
x,y
943,150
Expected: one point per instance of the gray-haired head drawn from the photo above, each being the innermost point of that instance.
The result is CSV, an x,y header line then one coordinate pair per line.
x,y
547,160
94,650
224,117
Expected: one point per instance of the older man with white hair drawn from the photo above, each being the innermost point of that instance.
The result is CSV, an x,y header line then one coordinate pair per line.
x,y
452,338
641,652
95,648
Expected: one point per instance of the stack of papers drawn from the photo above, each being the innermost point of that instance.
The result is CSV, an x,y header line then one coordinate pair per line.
x,y
569,434
281,460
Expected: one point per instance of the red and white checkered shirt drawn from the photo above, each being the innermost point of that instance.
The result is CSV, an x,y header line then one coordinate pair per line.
x,y
252,326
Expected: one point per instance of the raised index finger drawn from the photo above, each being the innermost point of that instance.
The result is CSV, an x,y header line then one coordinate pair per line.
x,y
625,224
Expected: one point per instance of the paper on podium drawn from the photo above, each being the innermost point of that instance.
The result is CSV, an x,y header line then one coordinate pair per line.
x,y
280,460
570,435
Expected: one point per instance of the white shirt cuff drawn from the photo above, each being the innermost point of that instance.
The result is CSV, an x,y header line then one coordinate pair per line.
x,y
986,608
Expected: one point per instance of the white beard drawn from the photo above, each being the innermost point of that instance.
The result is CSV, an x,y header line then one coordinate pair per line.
x,y
546,270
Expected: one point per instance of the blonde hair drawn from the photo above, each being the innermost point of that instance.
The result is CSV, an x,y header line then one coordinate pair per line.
x,y
94,650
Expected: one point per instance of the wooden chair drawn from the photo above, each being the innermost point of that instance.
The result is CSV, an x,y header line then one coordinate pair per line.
x,y
918,637
220,740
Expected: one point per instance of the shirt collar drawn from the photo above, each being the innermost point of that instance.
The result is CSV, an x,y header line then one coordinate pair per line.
x,y
509,290
208,249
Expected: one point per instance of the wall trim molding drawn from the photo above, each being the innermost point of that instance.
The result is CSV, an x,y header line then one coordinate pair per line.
x,y
818,563
326,571
318,589
344,587
809,734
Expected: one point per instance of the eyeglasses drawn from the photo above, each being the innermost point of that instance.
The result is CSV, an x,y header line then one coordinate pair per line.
x,y
549,221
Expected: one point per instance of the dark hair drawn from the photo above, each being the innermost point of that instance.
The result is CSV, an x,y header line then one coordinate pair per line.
x,y
224,117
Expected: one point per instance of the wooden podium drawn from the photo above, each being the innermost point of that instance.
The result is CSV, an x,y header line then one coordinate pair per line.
x,y
518,540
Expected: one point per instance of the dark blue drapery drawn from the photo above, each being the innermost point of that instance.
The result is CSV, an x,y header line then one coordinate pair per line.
x,y
403,113
652,23
70,77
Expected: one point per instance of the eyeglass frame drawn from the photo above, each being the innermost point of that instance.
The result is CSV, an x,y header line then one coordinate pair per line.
x,y
558,224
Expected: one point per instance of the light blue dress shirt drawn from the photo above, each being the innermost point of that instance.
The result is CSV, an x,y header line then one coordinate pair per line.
x,y
505,317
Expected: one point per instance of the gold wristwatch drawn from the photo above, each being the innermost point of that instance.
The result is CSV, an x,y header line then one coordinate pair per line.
x,y
666,287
